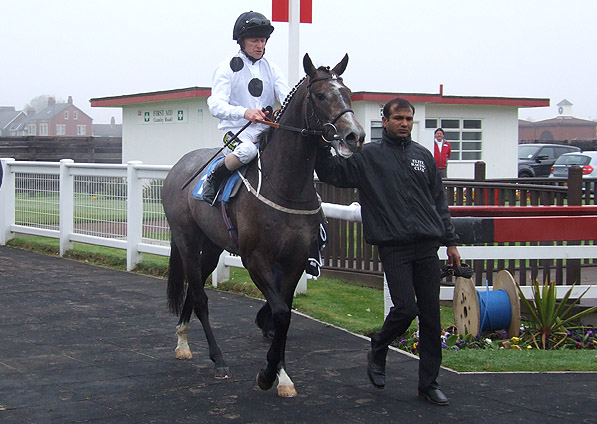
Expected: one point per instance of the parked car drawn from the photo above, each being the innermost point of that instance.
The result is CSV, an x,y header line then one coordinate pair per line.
x,y
536,160
587,160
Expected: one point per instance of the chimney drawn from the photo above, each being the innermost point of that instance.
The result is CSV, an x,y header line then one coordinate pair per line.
x,y
112,122
70,100
30,111
51,101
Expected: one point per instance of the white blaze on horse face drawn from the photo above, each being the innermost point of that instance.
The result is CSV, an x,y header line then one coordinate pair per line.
x,y
285,385
183,351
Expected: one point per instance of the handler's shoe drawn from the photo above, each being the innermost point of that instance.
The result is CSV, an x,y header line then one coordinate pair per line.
x,y
376,372
434,396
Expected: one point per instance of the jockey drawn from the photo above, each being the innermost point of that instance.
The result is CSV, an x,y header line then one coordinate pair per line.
x,y
242,88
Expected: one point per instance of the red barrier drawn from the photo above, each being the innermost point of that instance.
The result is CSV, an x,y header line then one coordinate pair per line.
x,y
544,228
519,211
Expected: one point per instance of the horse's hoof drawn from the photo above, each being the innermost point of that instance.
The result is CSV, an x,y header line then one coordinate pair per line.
x,y
262,383
268,334
222,373
183,353
287,390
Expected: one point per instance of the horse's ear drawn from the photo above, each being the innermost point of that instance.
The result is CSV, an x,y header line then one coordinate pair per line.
x,y
308,65
341,67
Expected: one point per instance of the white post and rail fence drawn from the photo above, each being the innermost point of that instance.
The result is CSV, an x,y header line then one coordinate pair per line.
x,y
119,206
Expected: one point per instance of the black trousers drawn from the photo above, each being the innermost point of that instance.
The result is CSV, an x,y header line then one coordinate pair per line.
x,y
413,276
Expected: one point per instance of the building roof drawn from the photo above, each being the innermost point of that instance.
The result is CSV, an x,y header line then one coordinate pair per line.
x,y
564,103
107,130
191,92
7,115
154,96
560,121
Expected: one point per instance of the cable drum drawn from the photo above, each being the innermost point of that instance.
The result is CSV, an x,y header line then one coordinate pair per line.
x,y
476,311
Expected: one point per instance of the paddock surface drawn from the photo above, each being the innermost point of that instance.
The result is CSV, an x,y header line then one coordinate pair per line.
x,y
79,343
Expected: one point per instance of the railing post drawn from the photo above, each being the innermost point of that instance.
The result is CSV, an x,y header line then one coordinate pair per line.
x,y
66,206
574,199
7,201
480,193
134,212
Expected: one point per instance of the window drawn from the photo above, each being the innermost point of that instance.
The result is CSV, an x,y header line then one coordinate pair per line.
x,y
81,129
60,129
75,115
43,128
66,114
32,129
464,135
376,130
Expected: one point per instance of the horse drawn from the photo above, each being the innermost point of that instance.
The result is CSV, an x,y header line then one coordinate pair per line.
x,y
276,223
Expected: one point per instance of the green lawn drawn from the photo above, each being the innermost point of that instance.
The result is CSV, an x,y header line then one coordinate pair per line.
x,y
354,308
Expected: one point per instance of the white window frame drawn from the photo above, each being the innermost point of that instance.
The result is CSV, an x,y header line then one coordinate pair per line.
x,y
75,115
43,128
81,129
32,129
60,129
461,139
65,114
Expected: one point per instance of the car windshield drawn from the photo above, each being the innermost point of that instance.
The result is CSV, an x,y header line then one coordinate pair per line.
x,y
527,152
571,160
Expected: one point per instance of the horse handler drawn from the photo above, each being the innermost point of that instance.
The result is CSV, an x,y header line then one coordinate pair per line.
x,y
405,213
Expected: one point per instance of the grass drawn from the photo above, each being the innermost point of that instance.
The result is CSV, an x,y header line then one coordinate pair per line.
x,y
354,308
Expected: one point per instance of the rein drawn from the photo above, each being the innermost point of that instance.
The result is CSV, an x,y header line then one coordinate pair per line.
x,y
328,133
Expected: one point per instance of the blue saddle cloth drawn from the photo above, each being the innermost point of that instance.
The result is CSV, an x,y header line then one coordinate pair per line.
x,y
224,193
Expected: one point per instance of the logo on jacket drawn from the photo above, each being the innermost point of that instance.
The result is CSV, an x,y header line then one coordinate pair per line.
x,y
417,165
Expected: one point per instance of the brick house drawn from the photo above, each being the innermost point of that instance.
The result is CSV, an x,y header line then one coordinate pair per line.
x,y
58,119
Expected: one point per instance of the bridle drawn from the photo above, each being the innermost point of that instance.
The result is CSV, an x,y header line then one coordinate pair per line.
x,y
328,131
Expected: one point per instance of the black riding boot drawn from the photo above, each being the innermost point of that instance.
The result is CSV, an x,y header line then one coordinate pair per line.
x,y
213,181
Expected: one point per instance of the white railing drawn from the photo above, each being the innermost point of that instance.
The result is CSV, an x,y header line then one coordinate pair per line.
x,y
119,206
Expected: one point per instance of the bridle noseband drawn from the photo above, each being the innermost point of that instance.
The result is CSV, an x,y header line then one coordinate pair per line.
x,y
328,131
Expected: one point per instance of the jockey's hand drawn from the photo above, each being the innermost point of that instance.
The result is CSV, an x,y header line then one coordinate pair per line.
x,y
254,114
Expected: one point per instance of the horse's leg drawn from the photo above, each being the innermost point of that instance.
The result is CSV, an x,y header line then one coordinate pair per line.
x,y
269,283
183,351
210,254
178,303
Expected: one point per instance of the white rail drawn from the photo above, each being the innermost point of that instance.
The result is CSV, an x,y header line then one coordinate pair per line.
x,y
132,185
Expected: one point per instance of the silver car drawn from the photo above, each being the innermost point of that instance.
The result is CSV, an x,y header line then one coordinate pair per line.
x,y
586,160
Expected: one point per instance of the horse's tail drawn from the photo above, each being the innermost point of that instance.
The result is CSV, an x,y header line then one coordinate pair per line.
x,y
176,286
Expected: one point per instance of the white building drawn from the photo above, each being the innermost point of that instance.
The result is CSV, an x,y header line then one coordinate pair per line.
x,y
160,127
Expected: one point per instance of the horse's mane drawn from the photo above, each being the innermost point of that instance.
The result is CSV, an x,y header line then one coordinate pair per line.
x,y
264,137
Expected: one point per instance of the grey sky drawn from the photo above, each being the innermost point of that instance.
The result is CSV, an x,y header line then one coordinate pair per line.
x,y
506,48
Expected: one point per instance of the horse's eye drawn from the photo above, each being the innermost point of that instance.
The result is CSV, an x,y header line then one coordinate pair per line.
x,y
320,96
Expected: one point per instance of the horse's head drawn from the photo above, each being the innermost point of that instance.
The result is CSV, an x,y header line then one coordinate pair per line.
x,y
329,101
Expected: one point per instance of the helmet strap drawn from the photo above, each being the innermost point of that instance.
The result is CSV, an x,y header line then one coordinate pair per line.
x,y
242,48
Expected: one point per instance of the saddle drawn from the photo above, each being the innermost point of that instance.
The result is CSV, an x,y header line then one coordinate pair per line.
x,y
229,186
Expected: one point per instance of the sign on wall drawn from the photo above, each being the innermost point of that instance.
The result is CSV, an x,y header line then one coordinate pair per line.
x,y
162,116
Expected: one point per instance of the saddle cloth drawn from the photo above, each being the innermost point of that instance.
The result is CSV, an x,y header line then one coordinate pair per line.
x,y
230,186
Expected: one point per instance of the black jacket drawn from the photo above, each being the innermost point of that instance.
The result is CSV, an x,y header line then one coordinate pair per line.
x,y
400,191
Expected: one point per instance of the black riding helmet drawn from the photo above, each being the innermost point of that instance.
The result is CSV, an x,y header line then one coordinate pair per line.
x,y
251,24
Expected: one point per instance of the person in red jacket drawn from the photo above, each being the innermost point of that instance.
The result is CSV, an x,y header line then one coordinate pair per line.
x,y
441,152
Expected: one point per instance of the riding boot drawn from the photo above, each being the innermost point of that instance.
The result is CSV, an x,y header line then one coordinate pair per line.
x,y
213,181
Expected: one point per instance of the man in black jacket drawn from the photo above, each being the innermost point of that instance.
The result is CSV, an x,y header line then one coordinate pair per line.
x,y
405,213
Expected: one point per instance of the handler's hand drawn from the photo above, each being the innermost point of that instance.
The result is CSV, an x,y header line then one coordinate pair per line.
x,y
453,256
253,115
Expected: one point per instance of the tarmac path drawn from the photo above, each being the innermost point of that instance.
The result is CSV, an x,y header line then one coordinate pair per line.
x,y
80,343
